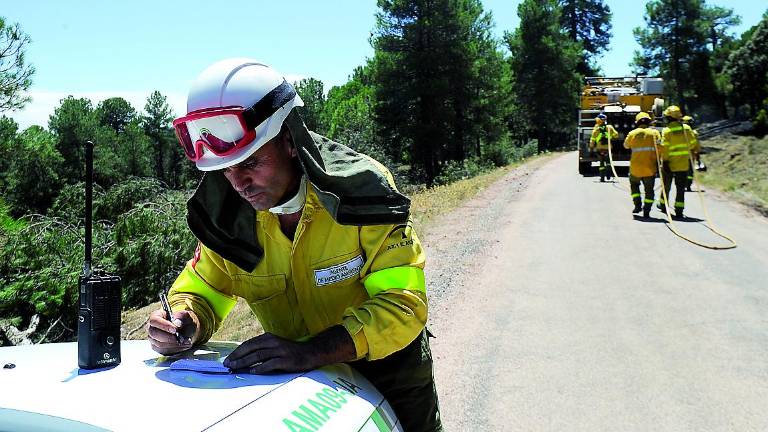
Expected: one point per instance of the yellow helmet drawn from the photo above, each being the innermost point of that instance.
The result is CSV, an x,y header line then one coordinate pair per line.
x,y
642,115
674,112
687,119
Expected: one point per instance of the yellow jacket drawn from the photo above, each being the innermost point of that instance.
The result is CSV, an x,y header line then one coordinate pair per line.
x,y
600,134
643,142
678,141
369,279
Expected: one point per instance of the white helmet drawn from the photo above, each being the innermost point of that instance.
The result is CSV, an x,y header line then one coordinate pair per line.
x,y
240,82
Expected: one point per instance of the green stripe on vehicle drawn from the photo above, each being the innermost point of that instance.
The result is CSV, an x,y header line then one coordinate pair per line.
x,y
380,422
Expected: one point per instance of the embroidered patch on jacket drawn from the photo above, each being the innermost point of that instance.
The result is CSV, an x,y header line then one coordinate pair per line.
x,y
339,272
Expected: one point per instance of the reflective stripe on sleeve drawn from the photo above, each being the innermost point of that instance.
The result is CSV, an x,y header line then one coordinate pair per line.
x,y
678,153
410,278
189,282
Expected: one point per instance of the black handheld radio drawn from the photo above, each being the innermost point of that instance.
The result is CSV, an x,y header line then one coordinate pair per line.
x,y
98,327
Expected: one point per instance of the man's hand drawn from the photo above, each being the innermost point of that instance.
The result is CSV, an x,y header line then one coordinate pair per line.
x,y
268,353
162,333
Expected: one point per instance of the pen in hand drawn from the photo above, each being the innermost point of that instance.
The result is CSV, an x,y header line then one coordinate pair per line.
x,y
167,308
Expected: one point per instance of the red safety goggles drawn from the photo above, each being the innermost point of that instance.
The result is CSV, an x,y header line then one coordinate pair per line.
x,y
223,131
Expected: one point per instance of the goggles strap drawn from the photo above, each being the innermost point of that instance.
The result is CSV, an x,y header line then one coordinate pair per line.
x,y
294,204
269,104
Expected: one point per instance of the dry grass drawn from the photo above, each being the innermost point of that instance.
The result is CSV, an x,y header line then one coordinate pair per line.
x,y
738,165
426,205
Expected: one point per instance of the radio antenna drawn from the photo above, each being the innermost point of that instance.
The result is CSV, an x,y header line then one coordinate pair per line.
x,y
87,269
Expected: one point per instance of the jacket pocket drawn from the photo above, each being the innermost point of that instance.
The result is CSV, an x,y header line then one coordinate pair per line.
x,y
268,298
258,288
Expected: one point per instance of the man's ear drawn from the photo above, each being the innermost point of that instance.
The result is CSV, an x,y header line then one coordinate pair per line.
x,y
287,140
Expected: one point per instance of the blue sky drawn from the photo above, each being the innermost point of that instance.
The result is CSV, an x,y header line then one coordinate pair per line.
x,y
101,49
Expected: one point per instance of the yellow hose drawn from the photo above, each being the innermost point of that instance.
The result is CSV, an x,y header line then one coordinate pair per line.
x,y
709,224
610,160
671,224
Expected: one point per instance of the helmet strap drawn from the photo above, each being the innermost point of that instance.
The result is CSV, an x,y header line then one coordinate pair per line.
x,y
294,204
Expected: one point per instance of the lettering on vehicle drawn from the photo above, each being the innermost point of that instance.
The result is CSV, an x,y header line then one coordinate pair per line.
x,y
317,410
339,272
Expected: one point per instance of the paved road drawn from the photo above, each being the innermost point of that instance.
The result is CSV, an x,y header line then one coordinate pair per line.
x,y
563,313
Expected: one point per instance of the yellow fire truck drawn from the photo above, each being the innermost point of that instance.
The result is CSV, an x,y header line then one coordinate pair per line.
x,y
620,99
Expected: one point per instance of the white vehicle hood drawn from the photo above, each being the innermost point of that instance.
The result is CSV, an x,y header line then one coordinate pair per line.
x,y
142,393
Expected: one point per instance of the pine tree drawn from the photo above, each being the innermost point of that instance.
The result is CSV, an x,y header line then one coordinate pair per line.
x,y
157,125
676,44
589,23
427,69
311,92
747,68
545,83
15,73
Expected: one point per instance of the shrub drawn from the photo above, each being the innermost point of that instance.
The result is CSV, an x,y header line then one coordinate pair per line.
x,y
458,170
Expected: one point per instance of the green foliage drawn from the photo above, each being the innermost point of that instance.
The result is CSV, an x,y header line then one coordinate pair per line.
x,y
152,245
349,116
32,178
121,150
115,113
587,22
311,92
15,73
157,126
39,266
132,150
8,130
7,223
69,205
545,81
126,195
433,81
747,68
454,171
678,43
140,233
73,123
507,154
761,120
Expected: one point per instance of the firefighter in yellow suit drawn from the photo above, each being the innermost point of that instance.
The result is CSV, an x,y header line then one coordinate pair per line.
x,y
694,154
643,142
314,236
677,143
599,142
